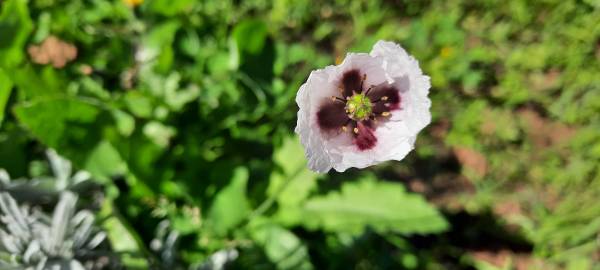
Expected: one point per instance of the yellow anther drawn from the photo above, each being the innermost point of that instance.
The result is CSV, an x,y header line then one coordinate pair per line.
x,y
385,114
384,98
355,130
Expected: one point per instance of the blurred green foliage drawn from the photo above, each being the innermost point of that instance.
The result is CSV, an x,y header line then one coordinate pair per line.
x,y
183,111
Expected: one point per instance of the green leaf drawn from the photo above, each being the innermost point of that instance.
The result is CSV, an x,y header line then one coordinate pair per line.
x,y
281,246
157,45
125,122
230,206
159,133
35,83
248,37
56,121
105,161
5,89
380,205
15,27
138,104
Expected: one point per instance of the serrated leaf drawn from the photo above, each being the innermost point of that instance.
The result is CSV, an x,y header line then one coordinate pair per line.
x,y
385,207
230,206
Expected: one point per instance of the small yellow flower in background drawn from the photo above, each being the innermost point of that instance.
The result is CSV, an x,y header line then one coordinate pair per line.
x,y
133,3
446,52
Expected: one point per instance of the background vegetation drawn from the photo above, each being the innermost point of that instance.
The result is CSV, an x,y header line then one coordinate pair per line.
x,y
180,113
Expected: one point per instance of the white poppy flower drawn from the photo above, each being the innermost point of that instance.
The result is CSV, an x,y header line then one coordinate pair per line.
x,y
367,110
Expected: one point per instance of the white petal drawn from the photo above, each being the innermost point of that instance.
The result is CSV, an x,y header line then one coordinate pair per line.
x,y
308,98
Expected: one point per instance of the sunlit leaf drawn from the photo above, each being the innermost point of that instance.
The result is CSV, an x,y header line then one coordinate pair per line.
x,y
383,206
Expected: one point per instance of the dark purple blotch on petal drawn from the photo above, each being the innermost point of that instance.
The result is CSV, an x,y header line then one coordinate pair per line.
x,y
332,115
393,99
365,138
351,82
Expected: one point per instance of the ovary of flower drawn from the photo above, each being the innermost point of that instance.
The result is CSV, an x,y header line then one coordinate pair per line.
x,y
364,111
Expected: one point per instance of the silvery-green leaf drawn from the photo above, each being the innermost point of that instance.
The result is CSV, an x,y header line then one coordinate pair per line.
x,y
75,265
13,216
4,177
60,167
32,249
62,213
41,264
218,259
80,176
65,265
96,240
83,222
9,242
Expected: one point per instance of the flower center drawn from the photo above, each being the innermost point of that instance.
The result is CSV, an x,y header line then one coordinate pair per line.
x,y
359,107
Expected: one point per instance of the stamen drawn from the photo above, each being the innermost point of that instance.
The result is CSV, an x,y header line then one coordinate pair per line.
x,y
367,92
334,98
384,98
385,114
344,128
355,130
